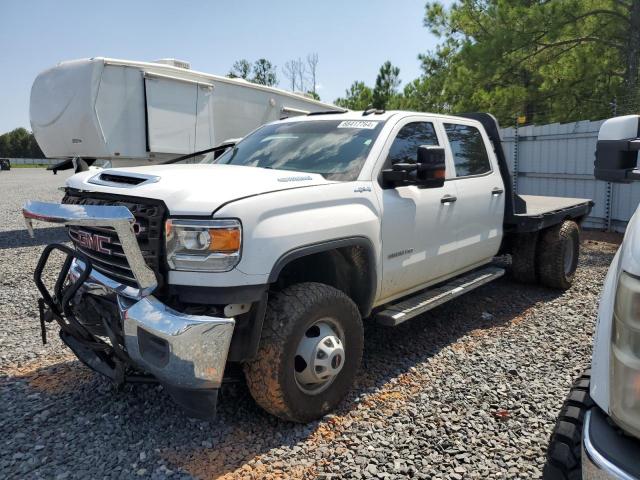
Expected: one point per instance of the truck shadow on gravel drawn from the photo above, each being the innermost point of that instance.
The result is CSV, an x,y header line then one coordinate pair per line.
x,y
43,236
141,431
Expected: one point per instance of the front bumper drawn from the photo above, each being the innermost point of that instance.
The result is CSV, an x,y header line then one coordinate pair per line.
x,y
182,350
186,353
606,453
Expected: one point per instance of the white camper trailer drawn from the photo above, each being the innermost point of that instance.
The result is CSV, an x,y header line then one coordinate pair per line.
x,y
138,113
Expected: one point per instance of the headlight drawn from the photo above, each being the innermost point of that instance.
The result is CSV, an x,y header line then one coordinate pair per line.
x,y
203,245
625,355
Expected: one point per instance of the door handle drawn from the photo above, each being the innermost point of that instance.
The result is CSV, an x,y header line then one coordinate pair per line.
x,y
497,191
448,199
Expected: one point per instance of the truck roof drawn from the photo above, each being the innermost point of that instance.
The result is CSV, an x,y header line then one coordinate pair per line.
x,y
373,116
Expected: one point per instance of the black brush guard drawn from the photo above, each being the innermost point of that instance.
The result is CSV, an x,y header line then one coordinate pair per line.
x,y
108,359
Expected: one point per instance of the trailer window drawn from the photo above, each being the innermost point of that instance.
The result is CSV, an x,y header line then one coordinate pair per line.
x,y
469,152
335,149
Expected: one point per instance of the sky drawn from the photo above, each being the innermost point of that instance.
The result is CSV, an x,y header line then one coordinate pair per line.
x,y
351,37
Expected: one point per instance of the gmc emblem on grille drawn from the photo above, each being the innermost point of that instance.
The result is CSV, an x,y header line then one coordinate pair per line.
x,y
94,241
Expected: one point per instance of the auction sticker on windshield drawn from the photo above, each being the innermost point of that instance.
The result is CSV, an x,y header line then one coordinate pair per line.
x,y
358,124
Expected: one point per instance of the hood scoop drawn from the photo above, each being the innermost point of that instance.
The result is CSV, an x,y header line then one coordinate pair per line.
x,y
112,178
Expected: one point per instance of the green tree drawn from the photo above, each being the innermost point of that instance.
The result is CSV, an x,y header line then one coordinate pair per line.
x,y
240,69
357,97
19,143
387,84
264,73
557,60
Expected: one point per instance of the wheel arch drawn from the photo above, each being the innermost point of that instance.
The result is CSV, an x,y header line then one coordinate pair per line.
x,y
340,253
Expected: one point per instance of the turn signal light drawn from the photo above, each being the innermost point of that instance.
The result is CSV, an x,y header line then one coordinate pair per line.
x,y
224,239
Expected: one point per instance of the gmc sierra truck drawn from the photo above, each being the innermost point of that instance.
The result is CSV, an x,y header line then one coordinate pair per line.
x,y
270,256
597,434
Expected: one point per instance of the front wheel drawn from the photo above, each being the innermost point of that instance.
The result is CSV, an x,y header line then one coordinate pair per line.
x,y
564,456
309,353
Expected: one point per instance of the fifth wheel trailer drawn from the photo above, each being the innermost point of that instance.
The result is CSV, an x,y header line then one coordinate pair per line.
x,y
138,113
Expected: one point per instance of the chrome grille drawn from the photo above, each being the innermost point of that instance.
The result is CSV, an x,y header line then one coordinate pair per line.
x,y
112,264
101,244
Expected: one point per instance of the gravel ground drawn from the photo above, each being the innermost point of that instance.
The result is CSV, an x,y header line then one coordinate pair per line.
x,y
470,390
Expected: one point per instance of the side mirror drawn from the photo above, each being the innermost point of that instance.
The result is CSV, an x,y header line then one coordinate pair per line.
x,y
427,172
431,166
617,150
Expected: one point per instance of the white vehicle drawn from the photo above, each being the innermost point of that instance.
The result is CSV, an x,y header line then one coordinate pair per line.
x,y
272,256
140,113
597,434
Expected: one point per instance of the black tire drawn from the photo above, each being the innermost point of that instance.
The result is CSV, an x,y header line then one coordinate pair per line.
x,y
555,245
290,313
523,258
564,456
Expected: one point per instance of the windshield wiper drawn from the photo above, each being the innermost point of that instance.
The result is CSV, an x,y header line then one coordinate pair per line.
x,y
222,146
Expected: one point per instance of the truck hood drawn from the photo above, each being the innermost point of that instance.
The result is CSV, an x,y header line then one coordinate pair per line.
x,y
193,189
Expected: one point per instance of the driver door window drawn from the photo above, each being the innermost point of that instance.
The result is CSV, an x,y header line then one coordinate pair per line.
x,y
404,148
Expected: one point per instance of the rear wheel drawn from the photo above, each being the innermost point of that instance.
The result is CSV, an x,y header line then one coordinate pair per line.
x,y
564,456
557,257
309,354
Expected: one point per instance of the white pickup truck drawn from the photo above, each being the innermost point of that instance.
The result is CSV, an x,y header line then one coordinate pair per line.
x,y
597,434
271,255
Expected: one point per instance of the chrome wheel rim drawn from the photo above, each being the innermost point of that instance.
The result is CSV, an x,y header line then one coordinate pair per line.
x,y
320,356
568,256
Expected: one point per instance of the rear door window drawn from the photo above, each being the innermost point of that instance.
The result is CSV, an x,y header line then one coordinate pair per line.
x,y
470,155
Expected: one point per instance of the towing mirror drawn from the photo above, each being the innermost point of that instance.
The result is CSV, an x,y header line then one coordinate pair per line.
x,y
617,150
427,172
431,166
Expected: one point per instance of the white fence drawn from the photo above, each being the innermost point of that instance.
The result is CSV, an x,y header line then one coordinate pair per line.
x,y
557,159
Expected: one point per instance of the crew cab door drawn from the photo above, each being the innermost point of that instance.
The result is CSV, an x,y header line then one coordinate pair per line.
x,y
480,191
418,225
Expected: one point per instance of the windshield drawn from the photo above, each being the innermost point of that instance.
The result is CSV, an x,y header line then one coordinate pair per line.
x,y
334,149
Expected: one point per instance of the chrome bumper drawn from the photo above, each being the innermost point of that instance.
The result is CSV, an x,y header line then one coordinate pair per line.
x,y
197,345
597,464
181,350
